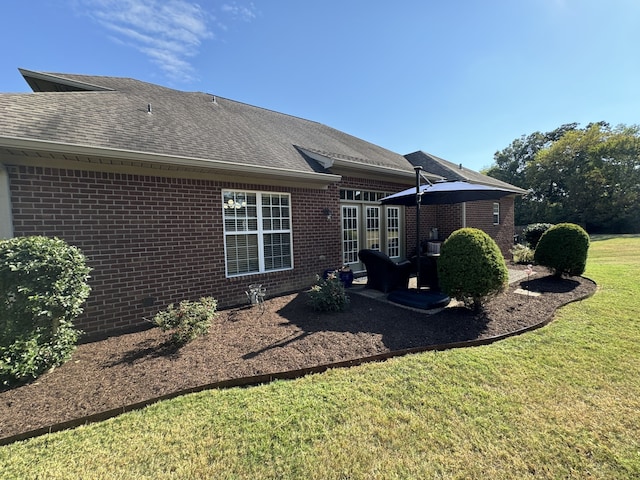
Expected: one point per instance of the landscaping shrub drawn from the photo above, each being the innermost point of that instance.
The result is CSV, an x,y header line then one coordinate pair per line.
x,y
533,232
522,254
563,248
471,267
188,320
328,294
43,286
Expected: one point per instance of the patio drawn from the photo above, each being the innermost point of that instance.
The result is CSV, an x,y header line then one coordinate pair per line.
x,y
516,274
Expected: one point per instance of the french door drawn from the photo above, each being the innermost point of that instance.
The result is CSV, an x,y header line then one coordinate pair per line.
x,y
372,227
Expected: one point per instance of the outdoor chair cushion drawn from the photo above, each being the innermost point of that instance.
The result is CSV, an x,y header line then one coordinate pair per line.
x,y
383,273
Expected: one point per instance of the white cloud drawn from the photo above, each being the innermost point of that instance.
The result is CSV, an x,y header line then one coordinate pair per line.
x,y
240,11
169,33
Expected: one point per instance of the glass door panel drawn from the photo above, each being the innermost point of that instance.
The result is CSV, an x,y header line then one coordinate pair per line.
x,y
393,232
350,239
373,228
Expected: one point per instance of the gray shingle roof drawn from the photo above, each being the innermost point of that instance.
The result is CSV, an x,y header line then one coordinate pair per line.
x,y
452,171
113,113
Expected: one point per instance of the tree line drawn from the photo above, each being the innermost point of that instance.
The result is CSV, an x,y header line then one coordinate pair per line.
x,y
589,176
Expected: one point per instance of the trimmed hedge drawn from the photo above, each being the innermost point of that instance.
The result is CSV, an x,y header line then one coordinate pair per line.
x,y
471,267
533,232
43,286
563,248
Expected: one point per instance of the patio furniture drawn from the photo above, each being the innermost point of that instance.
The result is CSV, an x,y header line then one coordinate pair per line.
x,y
421,299
428,271
383,273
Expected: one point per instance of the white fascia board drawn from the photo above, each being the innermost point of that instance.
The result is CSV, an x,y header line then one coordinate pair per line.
x,y
131,155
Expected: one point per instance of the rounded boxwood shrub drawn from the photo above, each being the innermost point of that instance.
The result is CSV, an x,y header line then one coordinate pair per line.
x,y
471,267
43,286
533,232
563,248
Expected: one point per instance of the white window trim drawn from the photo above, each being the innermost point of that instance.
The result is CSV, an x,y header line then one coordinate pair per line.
x,y
496,213
260,232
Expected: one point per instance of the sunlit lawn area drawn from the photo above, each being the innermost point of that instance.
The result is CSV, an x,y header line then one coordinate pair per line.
x,y
560,402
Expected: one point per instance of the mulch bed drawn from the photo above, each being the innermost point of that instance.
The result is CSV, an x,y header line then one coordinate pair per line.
x,y
284,336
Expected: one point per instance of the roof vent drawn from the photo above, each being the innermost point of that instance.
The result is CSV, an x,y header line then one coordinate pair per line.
x,y
460,166
148,108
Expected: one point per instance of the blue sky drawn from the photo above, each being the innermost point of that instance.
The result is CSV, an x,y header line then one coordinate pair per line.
x,y
460,79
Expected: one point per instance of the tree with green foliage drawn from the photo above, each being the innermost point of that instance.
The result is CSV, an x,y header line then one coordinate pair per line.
x,y
511,167
588,176
591,177
471,267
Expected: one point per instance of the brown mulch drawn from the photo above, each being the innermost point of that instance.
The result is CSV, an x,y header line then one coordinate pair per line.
x,y
286,335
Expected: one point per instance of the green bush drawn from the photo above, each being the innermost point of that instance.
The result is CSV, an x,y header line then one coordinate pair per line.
x,y
471,267
43,286
522,254
328,295
563,248
188,320
533,232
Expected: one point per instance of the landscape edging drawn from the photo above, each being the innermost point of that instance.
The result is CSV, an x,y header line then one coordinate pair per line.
x,y
269,377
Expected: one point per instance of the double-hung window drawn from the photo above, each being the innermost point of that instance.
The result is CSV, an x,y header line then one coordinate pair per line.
x,y
496,213
257,232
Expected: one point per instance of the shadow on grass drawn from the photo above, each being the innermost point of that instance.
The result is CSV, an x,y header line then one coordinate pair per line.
x,y
603,236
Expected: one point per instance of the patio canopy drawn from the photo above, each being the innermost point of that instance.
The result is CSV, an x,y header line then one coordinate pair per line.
x,y
446,192
443,192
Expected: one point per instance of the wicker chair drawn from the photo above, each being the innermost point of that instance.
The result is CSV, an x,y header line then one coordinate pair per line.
x,y
383,273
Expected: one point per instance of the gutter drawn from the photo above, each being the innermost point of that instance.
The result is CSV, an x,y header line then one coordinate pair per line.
x,y
194,162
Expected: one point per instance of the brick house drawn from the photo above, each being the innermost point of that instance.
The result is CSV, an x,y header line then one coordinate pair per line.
x,y
174,195
496,218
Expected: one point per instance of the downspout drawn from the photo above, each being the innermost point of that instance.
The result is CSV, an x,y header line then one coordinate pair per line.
x,y
464,214
6,219
418,202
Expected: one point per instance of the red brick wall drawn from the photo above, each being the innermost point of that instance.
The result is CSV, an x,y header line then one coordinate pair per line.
x,y
448,218
480,215
161,238
370,184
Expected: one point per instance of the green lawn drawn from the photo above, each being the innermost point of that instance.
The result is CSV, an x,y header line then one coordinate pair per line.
x,y
560,402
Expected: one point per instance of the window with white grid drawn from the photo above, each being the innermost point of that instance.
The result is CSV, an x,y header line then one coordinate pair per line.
x,y
257,232
496,213
393,232
373,228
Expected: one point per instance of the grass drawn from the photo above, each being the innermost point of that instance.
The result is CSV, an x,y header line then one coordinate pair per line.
x,y
560,402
